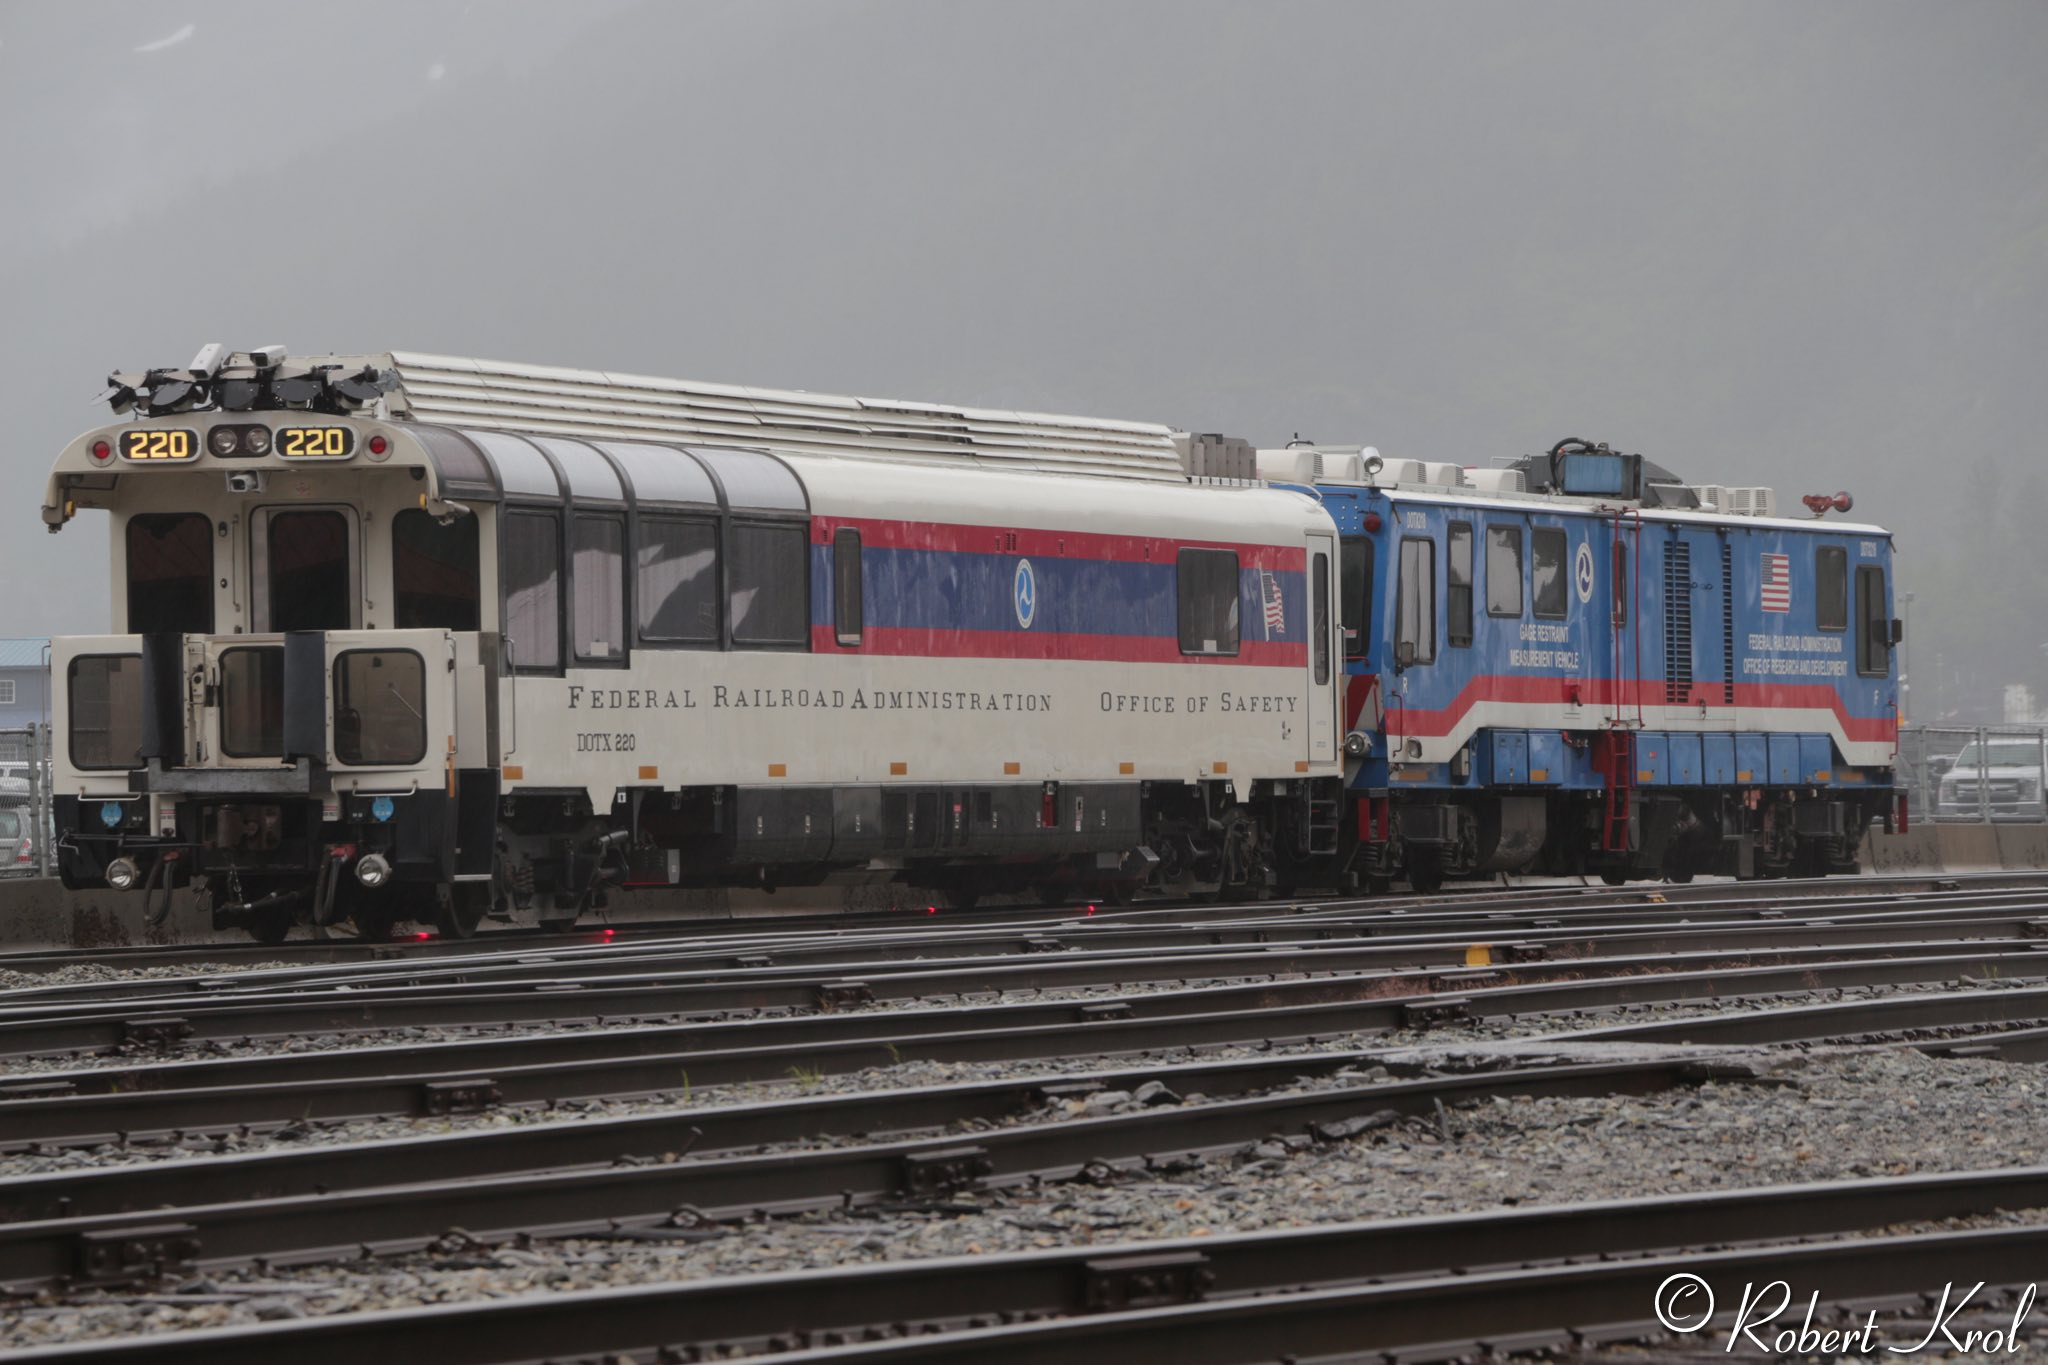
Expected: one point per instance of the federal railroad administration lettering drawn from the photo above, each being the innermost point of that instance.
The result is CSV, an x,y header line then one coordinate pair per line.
x,y
1773,665
724,698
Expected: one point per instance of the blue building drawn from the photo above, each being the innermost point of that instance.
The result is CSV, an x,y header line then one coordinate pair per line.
x,y
24,693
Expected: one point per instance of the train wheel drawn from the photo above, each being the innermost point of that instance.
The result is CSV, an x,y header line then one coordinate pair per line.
x,y
1613,876
375,922
1050,896
960,896
459,909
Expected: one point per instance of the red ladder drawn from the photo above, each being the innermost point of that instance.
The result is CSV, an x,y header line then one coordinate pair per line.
x,y
1614,754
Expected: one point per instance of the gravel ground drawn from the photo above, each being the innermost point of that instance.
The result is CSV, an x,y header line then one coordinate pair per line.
x,y
1845,1115
914,1074
95,973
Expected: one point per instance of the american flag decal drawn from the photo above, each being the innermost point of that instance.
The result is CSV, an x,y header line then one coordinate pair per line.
x,y
1276,609
1777,582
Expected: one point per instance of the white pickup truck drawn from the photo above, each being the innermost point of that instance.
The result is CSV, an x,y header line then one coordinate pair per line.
x,y
1998,777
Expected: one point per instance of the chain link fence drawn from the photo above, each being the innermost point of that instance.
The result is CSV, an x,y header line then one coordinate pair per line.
x,y
1991,772
26,830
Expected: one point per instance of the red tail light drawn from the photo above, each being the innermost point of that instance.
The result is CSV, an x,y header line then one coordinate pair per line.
x,y
26,853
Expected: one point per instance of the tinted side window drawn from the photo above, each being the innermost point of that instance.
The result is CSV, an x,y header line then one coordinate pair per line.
x,y
1873,625
1354,559
380,706
309,571
675,593
1415,616
1831,587
533,602
847,605
434,574
1503,571
1546,572
1207,589
170,573
252,701
599,573
1458,584
1319,566
770,590
106,711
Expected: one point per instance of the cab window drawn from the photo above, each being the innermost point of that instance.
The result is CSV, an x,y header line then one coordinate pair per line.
x,y
1415,607
1503,571
1458,586
170,573
307,581
434,575
1830,587
1546,572
1873,623
1354,558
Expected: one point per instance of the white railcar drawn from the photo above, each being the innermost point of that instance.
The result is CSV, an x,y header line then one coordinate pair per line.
x,y
410,637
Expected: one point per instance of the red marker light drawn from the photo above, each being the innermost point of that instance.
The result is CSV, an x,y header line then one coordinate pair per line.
x,y
1091,909
102,452
1372,521
421,937
609,932
931,909
378,445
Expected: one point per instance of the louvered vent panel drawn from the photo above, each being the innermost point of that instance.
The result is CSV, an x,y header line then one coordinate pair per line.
x,y
1727,623
555,402
1677,623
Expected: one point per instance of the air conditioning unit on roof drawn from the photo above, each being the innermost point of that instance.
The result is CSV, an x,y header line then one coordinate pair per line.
x,y
1752,502
1445,475
1497,480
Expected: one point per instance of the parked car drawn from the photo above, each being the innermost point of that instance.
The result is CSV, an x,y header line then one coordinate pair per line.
x,y
17,839
2009,770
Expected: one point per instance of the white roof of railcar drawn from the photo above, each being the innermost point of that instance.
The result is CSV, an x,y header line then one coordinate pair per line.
x,y
501,395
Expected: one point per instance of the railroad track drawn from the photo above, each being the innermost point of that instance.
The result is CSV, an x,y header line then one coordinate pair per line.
x,y
737,1078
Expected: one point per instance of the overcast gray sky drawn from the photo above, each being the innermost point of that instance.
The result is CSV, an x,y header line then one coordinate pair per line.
x,y
1804,245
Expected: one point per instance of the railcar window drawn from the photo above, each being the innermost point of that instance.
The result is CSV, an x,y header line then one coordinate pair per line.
x,y
676,591
1831,587
1206,587
309,577
1415,617
533,604
599,578
767,569
435,582
1873,623
1503,571
252,702
380,707
1354,559
105,694
848,607
1458,585
1321,640
1546,572
170,573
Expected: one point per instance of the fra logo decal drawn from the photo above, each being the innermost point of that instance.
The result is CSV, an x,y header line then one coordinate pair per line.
x,y
1024,593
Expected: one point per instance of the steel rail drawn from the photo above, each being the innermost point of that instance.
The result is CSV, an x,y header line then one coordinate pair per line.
x,y
390,1218
1843,1019
108,1027
876,943
1229,1272
1561,896
1438,946
112,1103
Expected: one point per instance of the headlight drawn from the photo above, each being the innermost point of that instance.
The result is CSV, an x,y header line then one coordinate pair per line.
x,y
224,440
122,873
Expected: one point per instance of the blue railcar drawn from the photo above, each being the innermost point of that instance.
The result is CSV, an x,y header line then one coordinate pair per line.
x,y
1582,669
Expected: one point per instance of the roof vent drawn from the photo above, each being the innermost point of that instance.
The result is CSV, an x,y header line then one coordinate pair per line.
x,y
1497,480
